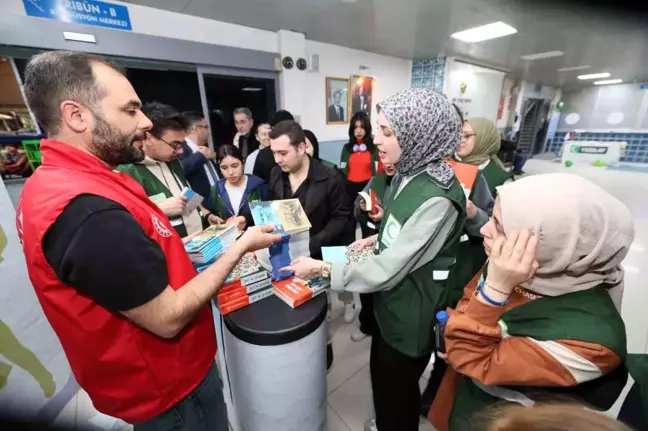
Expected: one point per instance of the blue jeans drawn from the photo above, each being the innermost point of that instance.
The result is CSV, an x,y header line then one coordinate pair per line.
x,y
202,410
519,162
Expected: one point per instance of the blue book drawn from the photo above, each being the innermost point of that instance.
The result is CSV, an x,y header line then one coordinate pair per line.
x,y
280,258
335,254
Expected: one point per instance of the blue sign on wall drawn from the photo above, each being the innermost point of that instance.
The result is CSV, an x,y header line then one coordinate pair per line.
x,y
88,12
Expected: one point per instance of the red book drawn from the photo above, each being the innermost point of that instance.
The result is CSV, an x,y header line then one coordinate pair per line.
x,y
238,292
246,280
371,201
296,292
244,301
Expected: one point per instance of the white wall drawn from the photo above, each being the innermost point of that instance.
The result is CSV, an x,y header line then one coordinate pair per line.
x,y
482,89
158,22
507,99
616,108
390,74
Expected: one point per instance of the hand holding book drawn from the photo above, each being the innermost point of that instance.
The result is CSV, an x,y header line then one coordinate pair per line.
x,y
258,237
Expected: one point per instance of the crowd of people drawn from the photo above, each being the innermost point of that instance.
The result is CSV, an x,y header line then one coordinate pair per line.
x,y
528,271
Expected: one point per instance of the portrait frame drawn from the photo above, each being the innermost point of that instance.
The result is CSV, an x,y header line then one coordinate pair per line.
x,y
333,86
367,84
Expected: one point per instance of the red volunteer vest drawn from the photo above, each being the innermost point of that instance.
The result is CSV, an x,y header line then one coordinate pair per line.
x,y
128,372
465,173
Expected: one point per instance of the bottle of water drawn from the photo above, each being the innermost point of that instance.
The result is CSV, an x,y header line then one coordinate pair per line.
x,y
439,331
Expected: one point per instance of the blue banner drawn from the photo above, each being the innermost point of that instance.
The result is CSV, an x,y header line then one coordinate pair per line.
x,y
88,12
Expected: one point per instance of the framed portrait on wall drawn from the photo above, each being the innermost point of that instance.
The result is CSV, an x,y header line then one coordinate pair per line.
x,y
361,94
336,100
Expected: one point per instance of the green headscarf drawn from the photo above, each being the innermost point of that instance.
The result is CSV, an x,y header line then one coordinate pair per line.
x,y
487,143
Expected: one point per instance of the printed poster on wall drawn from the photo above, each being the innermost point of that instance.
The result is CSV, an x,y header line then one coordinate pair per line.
x,y
35,378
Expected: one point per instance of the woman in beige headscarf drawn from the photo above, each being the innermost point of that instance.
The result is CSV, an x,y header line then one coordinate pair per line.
x,y
480,143
543,319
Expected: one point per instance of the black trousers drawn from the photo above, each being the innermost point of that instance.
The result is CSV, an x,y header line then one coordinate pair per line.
x,y
395,383
429,394
366,315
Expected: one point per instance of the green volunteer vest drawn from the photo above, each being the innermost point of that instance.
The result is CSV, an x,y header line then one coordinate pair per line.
x,y
471,257
344,160
379,184
153,186
495,177
637,365
406,313
588,316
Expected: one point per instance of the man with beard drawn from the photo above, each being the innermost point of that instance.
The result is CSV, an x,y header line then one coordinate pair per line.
x,y
161,174
110,272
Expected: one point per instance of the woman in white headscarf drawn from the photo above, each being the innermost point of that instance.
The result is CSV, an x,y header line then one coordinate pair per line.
x,y
415,250
543,320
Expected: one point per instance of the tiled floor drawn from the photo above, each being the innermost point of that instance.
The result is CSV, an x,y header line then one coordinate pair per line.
x,y
349,389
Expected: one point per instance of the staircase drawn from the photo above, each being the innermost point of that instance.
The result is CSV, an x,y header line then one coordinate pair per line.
x,y
529,126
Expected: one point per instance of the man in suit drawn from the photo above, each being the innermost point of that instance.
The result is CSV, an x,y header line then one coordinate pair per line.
x,y
362,99
244,139
336,111
197,158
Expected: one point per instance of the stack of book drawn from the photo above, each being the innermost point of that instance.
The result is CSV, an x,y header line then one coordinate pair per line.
x,y
205,248
295,292
247,284
289,218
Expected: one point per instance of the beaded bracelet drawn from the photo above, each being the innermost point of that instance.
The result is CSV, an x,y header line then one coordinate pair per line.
x,y
488,298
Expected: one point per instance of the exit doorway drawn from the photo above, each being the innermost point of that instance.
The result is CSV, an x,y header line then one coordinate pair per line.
x,y
224,92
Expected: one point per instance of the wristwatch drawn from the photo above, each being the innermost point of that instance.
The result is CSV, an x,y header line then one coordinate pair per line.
x,y
326,270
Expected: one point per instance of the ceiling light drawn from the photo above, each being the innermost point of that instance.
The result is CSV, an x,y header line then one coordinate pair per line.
x,y
484,32
542,55
251,89
608,81
595,76
573,68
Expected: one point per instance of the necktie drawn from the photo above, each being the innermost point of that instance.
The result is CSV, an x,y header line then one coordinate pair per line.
x,y
212,171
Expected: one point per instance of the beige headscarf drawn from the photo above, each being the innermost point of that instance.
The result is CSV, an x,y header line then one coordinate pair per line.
x,y
487,143
583,232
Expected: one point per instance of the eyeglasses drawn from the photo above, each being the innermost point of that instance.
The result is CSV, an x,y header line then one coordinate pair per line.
x,y
202,126
176,146
466,136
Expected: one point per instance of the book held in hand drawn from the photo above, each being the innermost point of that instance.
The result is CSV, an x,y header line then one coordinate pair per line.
x,y
193,200
346,254
371,201
287,215
206,247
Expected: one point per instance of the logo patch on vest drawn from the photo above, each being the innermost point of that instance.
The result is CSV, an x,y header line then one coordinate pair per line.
x,y
160,228
391,231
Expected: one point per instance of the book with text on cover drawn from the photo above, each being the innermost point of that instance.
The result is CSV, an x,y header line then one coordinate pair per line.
x,y
287,215
244,301
225,296
295,291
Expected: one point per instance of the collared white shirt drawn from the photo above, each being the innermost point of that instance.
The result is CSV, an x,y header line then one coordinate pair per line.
x,y
212,174
192,144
